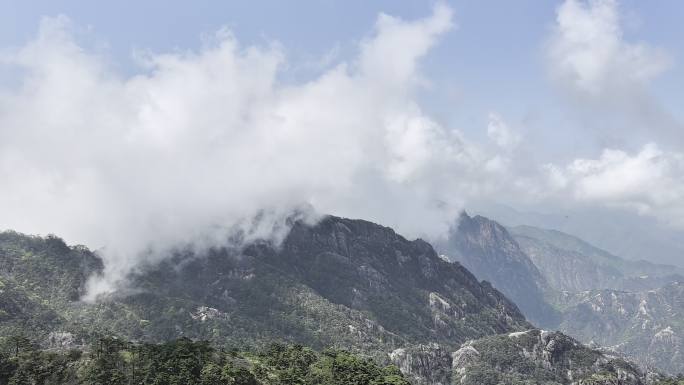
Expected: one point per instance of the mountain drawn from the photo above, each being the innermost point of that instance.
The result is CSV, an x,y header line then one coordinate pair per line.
x,y
621,232
632,307
571,264
341,283
487,249
41,280
646,326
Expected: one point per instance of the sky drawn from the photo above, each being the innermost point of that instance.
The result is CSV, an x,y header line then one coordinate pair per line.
x,y
136,128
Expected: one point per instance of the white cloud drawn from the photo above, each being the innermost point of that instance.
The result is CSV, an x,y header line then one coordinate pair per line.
x,y
203,142
651,182
589,55
608,77
390,56
499,131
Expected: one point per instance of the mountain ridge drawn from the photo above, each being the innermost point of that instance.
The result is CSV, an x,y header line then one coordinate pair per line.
x,y
340,283
487,249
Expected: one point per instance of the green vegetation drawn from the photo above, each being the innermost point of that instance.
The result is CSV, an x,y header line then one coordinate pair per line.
x,y
679,380
111,361
539,357
343,283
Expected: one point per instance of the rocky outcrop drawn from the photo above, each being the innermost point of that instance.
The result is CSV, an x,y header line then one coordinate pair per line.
x,y
539,357
424,364
632,307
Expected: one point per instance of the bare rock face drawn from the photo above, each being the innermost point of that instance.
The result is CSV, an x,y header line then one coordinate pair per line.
x,y
204,313
424,364
463,358
630,307
60,340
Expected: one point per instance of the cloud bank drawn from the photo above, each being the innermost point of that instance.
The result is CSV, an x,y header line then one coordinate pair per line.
x,y
198,144
607,77
650,182
588,51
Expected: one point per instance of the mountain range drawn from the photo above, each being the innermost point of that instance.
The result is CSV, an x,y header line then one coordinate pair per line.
x,y
341,283
628,307
571,264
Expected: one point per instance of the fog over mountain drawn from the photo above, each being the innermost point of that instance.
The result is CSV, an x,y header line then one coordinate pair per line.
x,y
202,143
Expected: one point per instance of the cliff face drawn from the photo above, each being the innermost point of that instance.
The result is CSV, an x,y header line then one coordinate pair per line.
x,y
487,249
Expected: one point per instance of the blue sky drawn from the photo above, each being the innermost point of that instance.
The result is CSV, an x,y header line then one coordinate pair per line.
x,y
554,106
492,61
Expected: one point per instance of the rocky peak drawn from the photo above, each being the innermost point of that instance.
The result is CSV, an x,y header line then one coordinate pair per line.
x,y
488,250
483,232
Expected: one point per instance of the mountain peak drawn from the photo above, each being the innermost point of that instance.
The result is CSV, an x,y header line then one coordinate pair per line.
x,y
487,249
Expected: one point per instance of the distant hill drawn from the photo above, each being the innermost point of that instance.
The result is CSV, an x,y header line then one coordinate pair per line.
x,y
571,264
647,326
621,232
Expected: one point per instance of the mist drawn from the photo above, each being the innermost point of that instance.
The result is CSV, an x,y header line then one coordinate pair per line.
x,y
199,145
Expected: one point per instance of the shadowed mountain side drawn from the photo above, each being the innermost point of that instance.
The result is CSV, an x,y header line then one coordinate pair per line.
x,y
487,249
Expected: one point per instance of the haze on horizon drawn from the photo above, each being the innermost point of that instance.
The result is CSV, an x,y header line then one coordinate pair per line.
x,y
179,129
